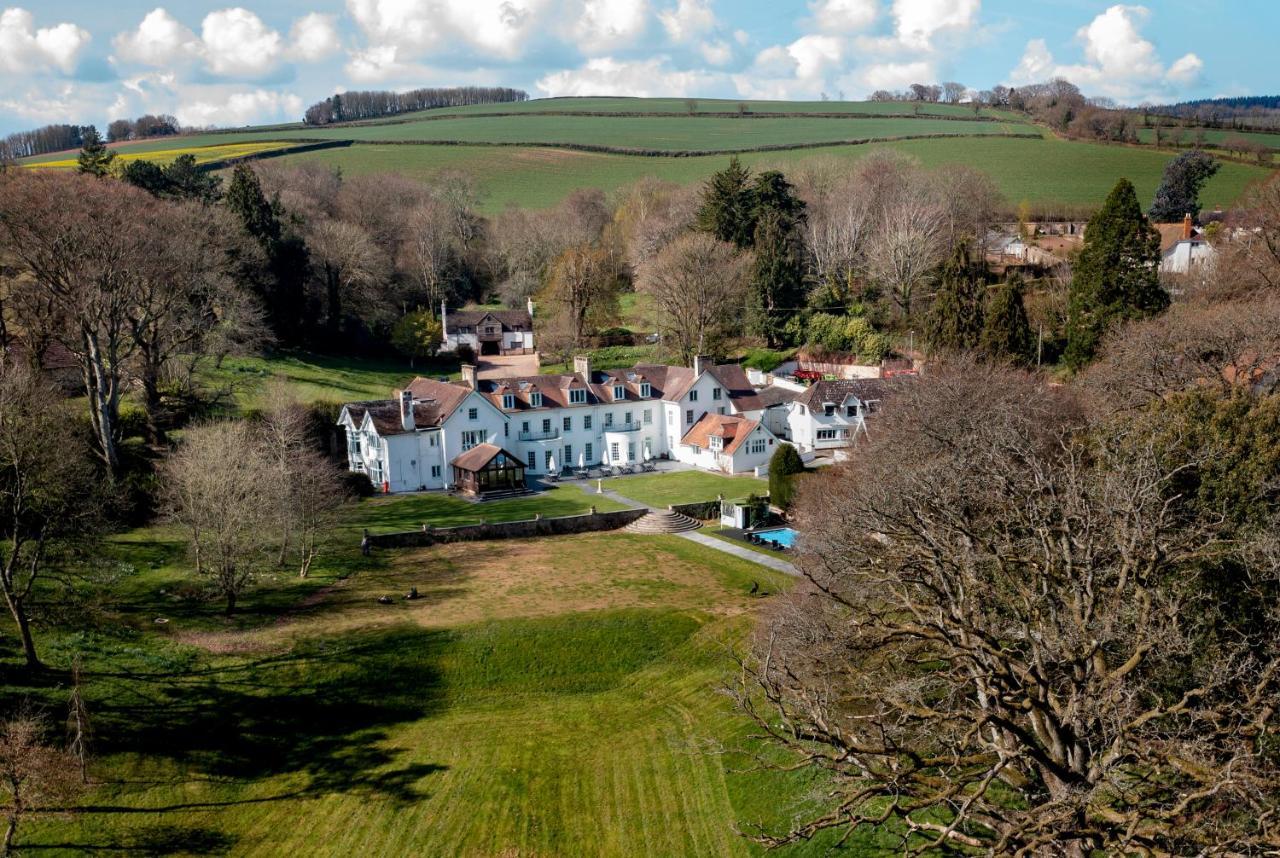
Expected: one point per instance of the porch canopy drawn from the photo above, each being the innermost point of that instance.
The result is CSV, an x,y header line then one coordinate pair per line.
x,y
486,468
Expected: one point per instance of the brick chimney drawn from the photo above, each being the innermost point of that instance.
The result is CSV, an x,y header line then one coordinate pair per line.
x,y
1186,227
582,366
701,363
469,376
406,411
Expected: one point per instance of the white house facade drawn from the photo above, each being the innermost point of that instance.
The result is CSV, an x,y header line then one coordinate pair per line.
x,y
553,422
830,415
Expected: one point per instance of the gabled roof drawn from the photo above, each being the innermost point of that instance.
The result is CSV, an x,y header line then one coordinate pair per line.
x,y
470,318
734,379
839,390
447,394
481,455
385,415
732,431
776,394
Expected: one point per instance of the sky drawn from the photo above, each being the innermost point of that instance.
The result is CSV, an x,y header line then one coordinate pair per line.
x,y
210,64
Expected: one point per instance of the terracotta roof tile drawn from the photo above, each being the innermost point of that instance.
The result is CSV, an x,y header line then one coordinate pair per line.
x,y
733,431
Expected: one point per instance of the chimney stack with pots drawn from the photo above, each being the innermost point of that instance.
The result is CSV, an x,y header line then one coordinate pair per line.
x,y
1186,228
406,411
469,376
701,363
582,366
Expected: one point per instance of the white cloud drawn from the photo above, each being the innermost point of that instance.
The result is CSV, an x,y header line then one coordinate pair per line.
x,y
1036,64
716,52
239,108
238,43
493,28
159,40
843,16
642,78
688,20
815,56
1185,70
314,37
606,25
24,48
1119,62
918,22
891,76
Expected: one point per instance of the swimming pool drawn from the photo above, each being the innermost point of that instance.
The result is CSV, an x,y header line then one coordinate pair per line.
x,y
784,536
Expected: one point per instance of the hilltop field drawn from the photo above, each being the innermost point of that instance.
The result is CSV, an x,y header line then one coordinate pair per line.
x,y
532,154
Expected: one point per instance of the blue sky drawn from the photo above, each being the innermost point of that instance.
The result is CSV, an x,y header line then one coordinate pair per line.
x,y
218,64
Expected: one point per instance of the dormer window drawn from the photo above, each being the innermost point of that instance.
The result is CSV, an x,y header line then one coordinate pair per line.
x,y
717,443
829,408
645,390
535,400
577,395
851,410
508,401
619,392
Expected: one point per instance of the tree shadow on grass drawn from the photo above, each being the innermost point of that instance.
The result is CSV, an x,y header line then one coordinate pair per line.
x,y
323,710
156,840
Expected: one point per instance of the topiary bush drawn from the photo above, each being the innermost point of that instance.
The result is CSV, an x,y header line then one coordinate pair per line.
x,y
783,467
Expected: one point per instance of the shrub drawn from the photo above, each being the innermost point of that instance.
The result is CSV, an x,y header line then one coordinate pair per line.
x,y
766,360
357,485
783,467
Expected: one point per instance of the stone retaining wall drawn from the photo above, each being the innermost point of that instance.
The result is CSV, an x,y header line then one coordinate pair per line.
x,y
538,526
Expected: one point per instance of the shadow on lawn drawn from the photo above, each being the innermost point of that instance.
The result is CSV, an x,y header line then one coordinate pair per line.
x,y
323,710
157,840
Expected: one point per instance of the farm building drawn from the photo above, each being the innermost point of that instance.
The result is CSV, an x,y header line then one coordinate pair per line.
x,y
1182,248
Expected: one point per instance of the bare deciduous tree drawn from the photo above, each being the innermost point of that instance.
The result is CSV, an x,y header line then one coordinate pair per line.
x,y
697,284
77,238
581,293
219,487
429,250
908,243
47,497
1022,635
349,266
33,774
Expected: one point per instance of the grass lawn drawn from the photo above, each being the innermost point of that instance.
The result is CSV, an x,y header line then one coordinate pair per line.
x,y
315,378
409,512
684,487
557,696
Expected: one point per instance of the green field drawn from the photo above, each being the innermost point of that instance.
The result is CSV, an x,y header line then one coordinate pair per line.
x,y
558,696
1215,136
1045,172
684,487
662,133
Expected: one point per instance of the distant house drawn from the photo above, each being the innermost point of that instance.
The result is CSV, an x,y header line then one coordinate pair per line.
x,y
830,415
1183,250
488,332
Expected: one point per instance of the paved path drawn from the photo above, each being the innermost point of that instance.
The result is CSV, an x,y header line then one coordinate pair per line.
x,y
506,366
740,551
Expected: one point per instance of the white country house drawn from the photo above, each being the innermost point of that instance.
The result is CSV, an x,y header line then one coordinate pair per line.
x,y
705,415
487,332
826,416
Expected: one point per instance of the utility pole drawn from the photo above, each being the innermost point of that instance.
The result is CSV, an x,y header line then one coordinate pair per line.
x,y
1040,345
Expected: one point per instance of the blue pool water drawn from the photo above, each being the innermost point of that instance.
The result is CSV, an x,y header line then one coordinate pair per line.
x,y
784,536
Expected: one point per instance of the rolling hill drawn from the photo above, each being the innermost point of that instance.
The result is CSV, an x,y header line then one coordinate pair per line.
x,y
533,153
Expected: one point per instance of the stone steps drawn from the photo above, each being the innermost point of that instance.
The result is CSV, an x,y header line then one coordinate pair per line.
x,y
664,521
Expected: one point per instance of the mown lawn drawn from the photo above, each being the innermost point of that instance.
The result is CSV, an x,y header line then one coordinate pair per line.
x,y
409,512
314,378
684,487
559,696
